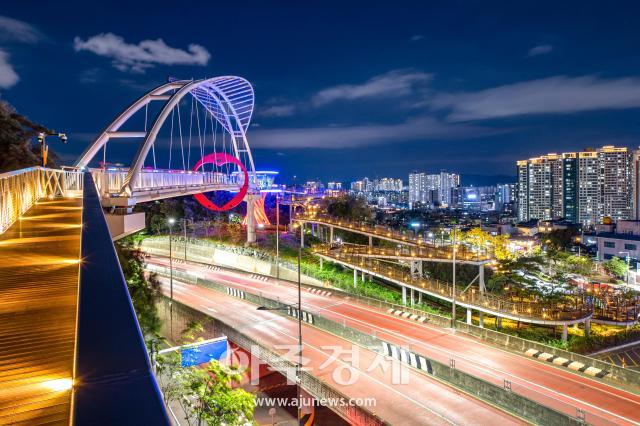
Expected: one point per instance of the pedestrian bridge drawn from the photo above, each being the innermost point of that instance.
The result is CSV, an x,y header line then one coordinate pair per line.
x,y
400,263
63,295
157,184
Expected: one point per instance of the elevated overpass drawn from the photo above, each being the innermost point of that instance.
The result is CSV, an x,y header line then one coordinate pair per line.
x,y
600,401
400,263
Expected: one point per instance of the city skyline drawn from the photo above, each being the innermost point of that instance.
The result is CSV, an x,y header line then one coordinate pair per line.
x,y
375,93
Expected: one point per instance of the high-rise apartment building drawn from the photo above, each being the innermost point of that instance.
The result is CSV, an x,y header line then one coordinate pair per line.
x,y
588,199
432,188
505,196
581,187
616,182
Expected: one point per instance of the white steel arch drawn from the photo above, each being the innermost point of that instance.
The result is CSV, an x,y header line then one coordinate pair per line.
x,y
229,99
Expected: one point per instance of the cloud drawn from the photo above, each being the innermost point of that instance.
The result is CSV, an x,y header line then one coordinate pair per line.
x,y
363,135
8,76
91,75
391,84
14,30
553,95
277,111
540,50
416,37
138,57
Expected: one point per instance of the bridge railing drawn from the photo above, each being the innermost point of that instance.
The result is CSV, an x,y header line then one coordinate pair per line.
x,y
111,180
568,310
21,189
404,238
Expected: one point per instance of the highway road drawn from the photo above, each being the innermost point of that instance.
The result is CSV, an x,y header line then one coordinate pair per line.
x,y
421,400
552,386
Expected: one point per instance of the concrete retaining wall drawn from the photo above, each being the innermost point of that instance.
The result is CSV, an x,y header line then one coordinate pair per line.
x,y
211,254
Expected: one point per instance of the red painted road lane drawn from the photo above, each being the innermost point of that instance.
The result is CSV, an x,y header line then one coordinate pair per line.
x,y
422,400
552,386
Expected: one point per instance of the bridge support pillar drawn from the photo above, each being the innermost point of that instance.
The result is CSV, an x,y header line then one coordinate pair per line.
x,y
404,295
331,235
250,199
481,279
363,275
355,277
565,330
587,327
302,234
416,269
413,301
498,323
469,321
370,241
320,263
419,297
480,320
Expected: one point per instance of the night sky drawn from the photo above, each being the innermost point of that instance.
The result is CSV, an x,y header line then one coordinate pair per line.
x,y
345,89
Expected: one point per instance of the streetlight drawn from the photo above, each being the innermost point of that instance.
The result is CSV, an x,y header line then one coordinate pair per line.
x,y
184,221
278,236
627,258
171,221
44,148
282,308
453,288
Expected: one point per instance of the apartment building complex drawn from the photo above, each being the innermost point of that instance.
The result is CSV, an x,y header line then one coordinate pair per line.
x,y
581,187
432,188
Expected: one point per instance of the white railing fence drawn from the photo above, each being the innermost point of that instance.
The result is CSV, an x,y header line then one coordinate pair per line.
x,y
21,189
110,181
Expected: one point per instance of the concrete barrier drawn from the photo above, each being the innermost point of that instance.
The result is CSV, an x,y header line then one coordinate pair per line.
x,y
618,375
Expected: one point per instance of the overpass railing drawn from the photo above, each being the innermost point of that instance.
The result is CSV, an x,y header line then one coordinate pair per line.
x,y
437,253
111,180
21,189
403,238
571,309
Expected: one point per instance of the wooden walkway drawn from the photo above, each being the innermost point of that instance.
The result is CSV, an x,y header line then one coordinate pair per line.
x,y
38,302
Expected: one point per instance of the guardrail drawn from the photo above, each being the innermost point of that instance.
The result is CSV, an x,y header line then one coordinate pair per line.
x,y
571,310
21,189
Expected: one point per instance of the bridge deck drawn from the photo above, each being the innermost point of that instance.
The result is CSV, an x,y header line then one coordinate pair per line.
x,y
38,303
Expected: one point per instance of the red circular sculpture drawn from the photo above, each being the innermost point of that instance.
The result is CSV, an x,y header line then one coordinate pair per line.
x,y
219,159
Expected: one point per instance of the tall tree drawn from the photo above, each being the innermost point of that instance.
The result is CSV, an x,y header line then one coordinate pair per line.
x,y
17,147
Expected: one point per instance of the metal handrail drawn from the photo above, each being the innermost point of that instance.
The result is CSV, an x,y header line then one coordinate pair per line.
x,y
21,189
572,309
390,234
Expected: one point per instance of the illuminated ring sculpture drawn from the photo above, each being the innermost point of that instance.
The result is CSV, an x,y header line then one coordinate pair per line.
x,y
220,159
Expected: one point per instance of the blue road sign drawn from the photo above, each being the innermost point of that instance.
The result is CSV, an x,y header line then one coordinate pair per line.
x,y
204,352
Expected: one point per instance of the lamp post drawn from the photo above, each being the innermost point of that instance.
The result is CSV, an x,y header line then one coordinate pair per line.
x,y
627,258
277,236
184,224
171,221
453,287
44,148
299,362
